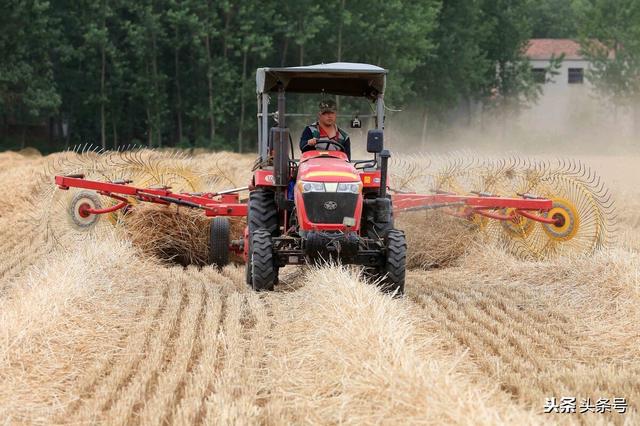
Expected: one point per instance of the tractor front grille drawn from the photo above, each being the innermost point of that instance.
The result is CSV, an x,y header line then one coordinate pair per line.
x,y
329,207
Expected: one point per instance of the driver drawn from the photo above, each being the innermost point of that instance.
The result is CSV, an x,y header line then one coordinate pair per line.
x,y
325,128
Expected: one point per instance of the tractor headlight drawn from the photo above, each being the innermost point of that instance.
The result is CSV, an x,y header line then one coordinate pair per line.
x,y
352,187
312,186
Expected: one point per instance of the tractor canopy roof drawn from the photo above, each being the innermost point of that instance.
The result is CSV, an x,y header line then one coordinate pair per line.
x,y
338,78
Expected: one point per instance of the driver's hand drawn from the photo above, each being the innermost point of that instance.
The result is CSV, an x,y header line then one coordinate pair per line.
x,y
312,142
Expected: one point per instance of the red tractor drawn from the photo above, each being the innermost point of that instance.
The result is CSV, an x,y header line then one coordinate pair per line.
x,y
322,206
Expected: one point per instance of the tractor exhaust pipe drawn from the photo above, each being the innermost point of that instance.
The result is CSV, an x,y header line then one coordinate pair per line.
x,y
384,167
281,106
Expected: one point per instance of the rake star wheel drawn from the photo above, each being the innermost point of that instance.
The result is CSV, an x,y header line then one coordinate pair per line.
x,y
148,168
567,221
501,177
519,227
582,205
582,208
460,176
455,175
66,219
139,167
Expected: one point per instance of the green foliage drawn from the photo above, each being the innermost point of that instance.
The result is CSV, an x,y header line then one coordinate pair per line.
x,y
182,72
396,35
457,69
479,57
552,19
610,39
27,85
509,84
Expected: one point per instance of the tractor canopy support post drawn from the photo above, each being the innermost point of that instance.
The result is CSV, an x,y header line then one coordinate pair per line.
x,y
280,142
280,147
259,109
264,123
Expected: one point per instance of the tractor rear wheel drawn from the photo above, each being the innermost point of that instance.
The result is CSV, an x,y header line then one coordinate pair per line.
x,y
395,264
219,242
264,271
262,213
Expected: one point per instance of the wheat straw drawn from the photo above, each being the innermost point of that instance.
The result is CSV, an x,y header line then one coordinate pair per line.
x,y
96,330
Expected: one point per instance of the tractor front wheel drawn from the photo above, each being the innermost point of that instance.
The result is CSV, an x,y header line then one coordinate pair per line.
x,y
219,242
395,265
264,271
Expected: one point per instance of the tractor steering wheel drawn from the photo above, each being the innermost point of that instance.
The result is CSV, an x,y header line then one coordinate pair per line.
x,y
328,142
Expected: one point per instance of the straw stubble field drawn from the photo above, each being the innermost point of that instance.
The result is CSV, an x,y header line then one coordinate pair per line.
x,y
99,331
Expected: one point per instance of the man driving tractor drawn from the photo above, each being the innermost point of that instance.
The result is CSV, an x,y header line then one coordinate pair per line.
x,y
325,128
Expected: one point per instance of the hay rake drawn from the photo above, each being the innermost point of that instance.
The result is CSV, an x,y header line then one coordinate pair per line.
x,y
581,205
130,165
325,206
511,200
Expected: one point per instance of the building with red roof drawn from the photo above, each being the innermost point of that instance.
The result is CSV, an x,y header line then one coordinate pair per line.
x,y
566,93
541,51
547,48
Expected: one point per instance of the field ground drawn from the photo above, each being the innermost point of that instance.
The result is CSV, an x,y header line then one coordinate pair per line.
x,y
92,331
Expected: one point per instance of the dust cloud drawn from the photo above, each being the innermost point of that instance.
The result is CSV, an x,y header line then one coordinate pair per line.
x,y
589,126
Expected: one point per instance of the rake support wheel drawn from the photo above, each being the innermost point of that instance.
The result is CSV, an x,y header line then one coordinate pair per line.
x,y
80,219
219,242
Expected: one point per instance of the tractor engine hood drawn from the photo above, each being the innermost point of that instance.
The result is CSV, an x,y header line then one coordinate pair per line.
x,y
328,193
327,168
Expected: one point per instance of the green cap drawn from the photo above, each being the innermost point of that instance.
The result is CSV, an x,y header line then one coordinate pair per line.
x,y
328,105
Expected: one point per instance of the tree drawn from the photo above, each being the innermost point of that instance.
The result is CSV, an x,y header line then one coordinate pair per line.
x,y
552,19
250,38
27,87
181,23
97,35
397,35
208,30
146,37
479,60
181,71
610,40
84,65
456,71
509,84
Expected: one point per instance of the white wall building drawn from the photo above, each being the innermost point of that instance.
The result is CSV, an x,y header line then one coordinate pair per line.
x,y
567,98
569,106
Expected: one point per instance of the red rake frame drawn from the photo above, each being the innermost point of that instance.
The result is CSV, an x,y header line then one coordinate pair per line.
x,y
224,205
228,204
469,205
